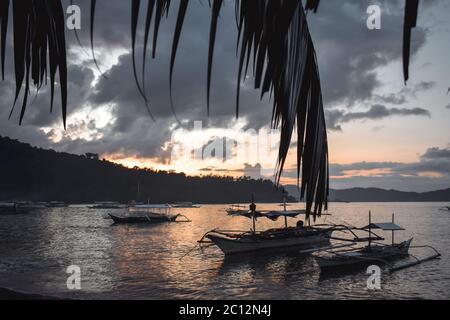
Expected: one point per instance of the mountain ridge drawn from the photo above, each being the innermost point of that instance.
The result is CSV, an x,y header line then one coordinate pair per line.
x,y
380,195
29,173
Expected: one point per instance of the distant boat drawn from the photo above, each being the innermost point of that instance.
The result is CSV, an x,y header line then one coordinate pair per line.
x,y
185,205
105,205
147,219
11,208
57,204
29,205
150,206
148,214
236,209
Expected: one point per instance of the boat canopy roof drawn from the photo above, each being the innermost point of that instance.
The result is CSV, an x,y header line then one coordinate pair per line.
x,y
272,215
386,226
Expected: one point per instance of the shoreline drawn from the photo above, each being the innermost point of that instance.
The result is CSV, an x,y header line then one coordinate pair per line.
x,y
8,294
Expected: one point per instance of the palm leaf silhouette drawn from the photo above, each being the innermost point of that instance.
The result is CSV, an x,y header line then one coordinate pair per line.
x,y
274,41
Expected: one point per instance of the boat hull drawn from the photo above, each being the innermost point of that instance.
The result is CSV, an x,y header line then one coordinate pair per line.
x,y
362,259
149,219
230,246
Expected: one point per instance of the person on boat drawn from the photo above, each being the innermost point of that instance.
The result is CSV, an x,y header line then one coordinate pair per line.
x,y
300,224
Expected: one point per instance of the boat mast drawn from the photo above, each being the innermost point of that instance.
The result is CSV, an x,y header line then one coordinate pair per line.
x,y
253,211
393,232
370,229
284,204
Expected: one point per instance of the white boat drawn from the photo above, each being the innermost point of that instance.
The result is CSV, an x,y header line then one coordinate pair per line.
x,y
233,242
186,205
105,205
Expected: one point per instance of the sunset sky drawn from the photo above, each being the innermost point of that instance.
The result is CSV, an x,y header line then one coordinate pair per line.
x,y
381,132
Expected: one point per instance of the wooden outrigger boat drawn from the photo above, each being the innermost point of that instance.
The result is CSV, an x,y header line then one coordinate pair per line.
x,y
236,209
349,257
185,205
233,242
149,217
105,205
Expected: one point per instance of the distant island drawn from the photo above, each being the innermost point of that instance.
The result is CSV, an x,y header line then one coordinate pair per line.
x,y
379,195
33,174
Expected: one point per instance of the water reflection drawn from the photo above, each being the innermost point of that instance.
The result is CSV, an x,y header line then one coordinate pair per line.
x,y
150,262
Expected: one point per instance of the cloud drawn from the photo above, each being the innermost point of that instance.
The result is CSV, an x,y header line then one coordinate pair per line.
x,y
430,172
335,118
437,153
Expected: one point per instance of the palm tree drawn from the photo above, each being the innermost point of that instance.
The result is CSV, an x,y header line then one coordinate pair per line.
x,y
273,38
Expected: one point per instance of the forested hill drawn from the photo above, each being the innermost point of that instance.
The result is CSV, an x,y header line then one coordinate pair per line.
x,y
29,173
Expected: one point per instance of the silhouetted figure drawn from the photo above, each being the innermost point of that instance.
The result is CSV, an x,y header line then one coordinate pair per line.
x,y
300,224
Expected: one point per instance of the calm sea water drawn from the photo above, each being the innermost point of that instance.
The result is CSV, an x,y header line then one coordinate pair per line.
x,y
145,262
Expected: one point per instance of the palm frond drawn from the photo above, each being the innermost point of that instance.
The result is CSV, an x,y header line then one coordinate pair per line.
x,y
411,12
274,40
275,35
38,29
312,5
4,14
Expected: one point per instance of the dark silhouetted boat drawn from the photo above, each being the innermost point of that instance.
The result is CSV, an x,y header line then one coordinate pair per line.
x,y
11,208
57,204
348,257
148,214
148,219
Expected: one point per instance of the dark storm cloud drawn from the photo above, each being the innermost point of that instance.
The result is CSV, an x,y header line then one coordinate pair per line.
x,y
336,117
437,153
349,55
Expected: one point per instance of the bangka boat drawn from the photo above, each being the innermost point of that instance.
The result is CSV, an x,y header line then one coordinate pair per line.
x,y
233,242
236,209
184,205
158,214
29,205
149,219
11,208
105,205
57,204
349,257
